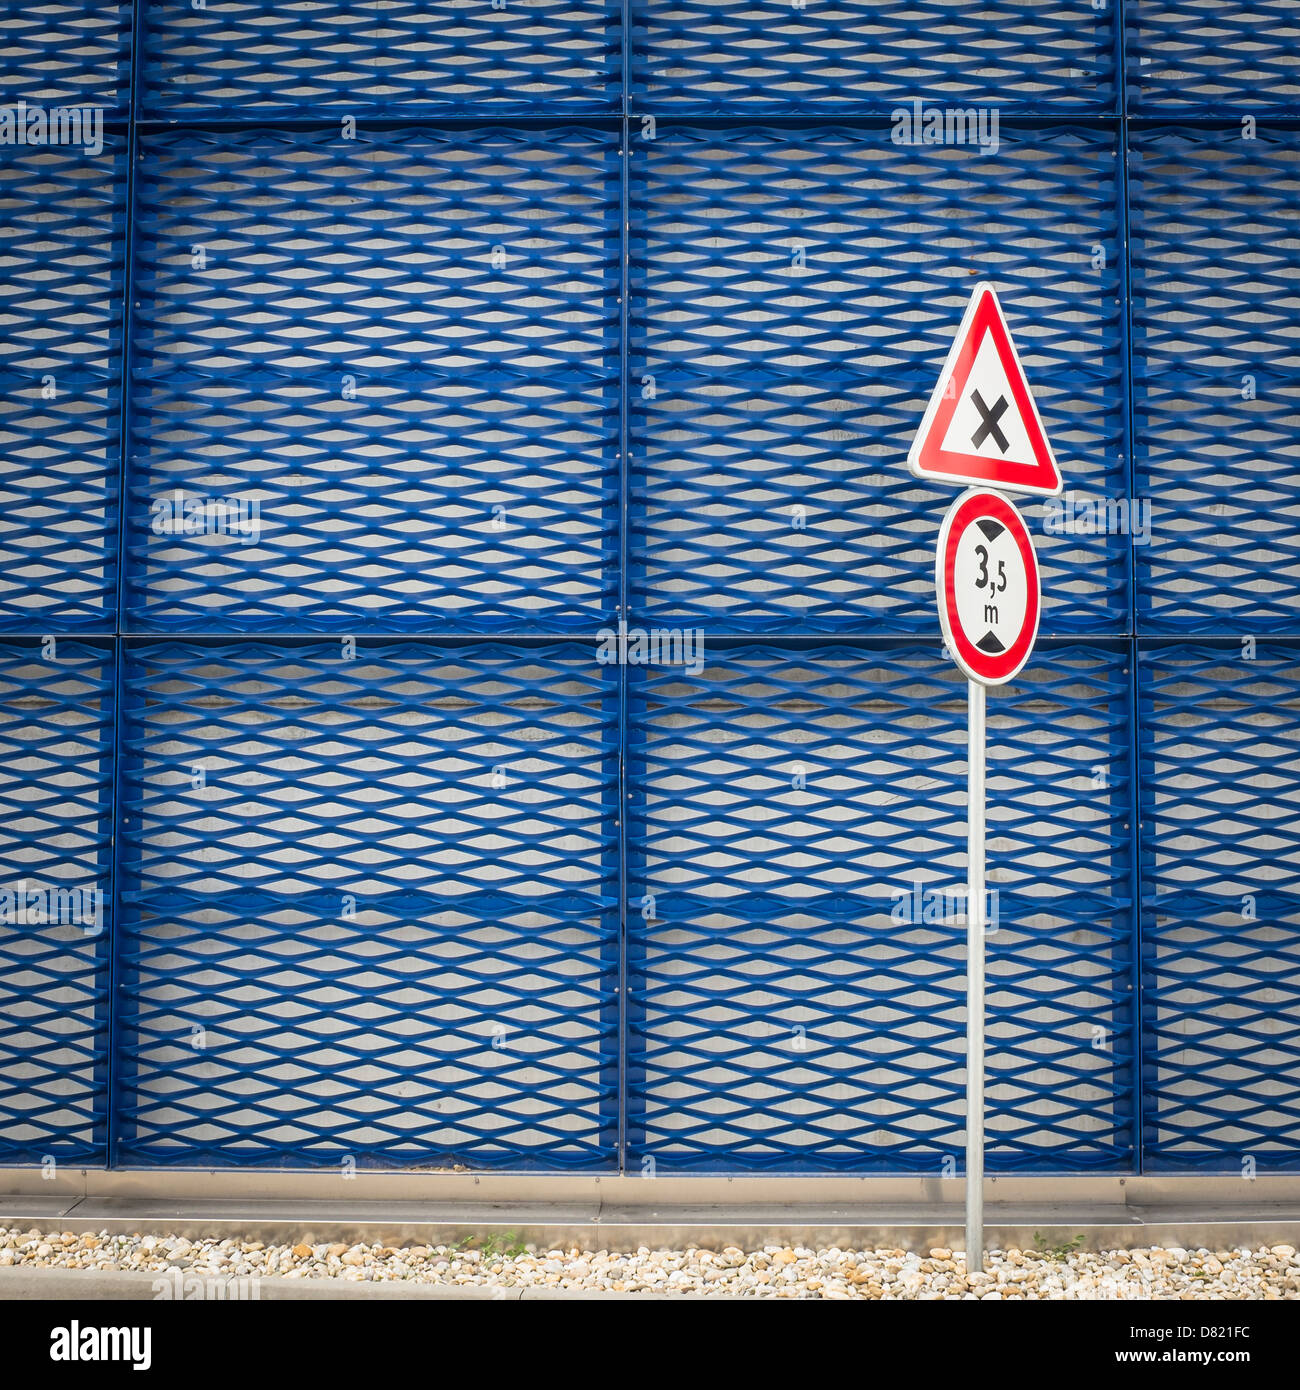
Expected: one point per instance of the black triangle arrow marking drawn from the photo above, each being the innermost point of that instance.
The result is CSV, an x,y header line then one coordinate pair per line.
x,y
992,529
989,643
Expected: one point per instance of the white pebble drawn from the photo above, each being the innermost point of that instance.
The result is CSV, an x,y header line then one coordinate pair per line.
x,y
774,1271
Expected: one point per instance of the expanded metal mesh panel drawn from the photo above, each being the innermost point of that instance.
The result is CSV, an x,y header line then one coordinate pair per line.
x,y
796,947
1216,378
61,229
1221,896
56,745
376,382
1206,57
65,52
400,368
253,59
368,907
872,54
795,293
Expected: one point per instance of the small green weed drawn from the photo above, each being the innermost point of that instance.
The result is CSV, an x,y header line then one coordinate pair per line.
x,y
1058,1253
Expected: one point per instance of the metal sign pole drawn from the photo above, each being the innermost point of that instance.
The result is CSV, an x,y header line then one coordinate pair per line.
x,y
983,373
975,979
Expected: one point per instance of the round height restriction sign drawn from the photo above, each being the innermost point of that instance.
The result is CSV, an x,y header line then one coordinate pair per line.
x,y
986,575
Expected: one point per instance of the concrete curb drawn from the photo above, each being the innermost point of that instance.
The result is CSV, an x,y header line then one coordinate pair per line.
x,y
545,1226
40,1284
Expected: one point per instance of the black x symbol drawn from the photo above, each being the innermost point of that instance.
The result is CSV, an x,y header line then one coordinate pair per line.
x,y
989,421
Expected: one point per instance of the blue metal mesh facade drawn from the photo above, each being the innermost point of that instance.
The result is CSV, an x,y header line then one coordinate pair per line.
x,y
1216,377
422,345
787,333
1221,897
369,905
62,223
795,815
1200,58
249,60
868,55
66,51
56,838
403,350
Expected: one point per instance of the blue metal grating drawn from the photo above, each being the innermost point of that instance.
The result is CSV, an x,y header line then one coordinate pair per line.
x,y
1220,729
1216,378
789,324
870,55
785,805
377,900
386,372
56,743
369,907
1208,57
252,59
66,53
62,211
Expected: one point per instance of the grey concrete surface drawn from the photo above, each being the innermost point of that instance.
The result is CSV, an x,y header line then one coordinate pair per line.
x,y
40,1285
613,1212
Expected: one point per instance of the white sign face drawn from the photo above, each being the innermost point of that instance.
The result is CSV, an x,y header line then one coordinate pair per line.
x,y
990,584
986,575
986,421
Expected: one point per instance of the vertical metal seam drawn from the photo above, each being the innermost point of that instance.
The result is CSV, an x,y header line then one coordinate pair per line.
x,y
1135,871
623,614
1133,703
119,617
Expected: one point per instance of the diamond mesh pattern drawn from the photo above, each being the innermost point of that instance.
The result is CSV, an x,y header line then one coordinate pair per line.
x,y
789,326
399,359
1216,378
872,54
56,808
1203,56
785,806
65,52
1221,898
372,886
368,907
253,59
61,224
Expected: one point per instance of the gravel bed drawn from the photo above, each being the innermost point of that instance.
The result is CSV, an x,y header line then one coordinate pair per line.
x,y
771,1272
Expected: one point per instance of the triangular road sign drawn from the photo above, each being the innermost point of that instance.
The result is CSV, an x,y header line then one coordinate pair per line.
x,y
982,425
